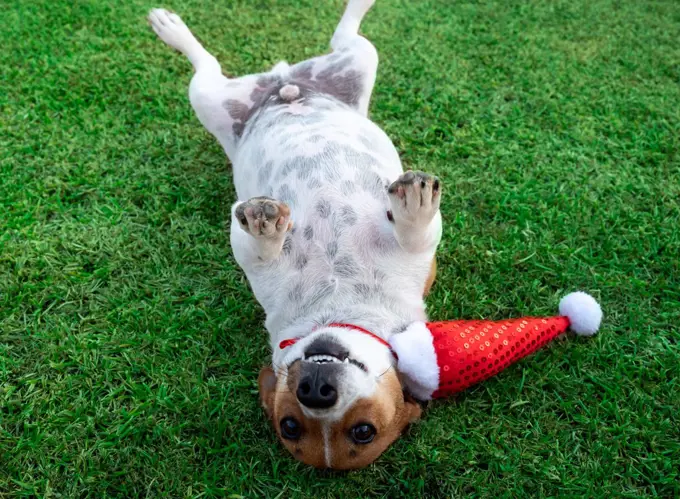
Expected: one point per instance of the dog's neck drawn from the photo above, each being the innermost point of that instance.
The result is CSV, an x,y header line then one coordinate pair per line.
x,y
381,321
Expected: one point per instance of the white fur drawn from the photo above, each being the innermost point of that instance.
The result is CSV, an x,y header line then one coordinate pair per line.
x,y
417,360
584,313
327,444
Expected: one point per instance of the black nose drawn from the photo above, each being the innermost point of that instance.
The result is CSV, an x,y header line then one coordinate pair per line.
x,y
316,392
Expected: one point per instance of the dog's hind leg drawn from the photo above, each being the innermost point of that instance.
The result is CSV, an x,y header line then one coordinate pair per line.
x,y
171,29
348,28
221,104
348,72
364,57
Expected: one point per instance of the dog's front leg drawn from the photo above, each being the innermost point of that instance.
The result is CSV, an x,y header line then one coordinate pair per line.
x,y
258,230
414,198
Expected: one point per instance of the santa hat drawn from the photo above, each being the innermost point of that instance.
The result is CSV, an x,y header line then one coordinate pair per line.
x,y
438,359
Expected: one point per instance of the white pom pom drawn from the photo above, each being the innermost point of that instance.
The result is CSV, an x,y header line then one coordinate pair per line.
x,y
289,92
583,311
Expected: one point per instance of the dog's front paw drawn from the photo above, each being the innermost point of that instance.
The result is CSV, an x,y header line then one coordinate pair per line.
x,y
264,217
414,198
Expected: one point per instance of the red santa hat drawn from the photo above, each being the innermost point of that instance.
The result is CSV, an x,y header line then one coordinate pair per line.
x,y
438,359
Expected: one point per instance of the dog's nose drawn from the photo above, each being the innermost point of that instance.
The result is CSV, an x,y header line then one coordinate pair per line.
x,y
316,392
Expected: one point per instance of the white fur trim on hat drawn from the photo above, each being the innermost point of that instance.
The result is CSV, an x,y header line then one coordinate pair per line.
x,y
584,313
417,360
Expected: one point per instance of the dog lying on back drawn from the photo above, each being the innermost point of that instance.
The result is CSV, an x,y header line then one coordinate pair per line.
x,y
337,242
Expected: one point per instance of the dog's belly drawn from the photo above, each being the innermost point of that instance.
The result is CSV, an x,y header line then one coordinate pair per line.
x,y
332,167
304,148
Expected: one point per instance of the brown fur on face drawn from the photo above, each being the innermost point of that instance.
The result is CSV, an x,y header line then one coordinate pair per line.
x,y
329,444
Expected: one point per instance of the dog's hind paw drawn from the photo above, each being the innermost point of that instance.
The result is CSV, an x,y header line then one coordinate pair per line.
x,y
171,29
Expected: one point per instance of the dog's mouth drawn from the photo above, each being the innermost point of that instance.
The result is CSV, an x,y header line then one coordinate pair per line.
x,y
327,351
325,359
321,358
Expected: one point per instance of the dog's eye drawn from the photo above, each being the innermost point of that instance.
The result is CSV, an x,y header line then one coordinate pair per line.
x,y
363,433
290,429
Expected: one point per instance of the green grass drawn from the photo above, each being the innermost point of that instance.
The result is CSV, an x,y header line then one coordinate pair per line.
x,y
130,342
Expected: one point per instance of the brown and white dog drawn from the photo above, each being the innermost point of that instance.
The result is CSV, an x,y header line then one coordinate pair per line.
x,y
337,242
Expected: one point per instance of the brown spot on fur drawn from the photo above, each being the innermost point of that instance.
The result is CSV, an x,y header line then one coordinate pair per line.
x,y
266,80
344,87
238,128
330,70
236,109
334,79
431,277
302,71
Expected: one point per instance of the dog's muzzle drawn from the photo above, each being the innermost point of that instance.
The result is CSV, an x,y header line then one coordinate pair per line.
x,y
324,360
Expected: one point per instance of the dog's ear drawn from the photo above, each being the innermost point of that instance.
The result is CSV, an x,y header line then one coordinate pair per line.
x,y
267,383
412,409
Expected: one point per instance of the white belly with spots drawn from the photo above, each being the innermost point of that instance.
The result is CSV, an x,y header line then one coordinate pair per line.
x,y
332,167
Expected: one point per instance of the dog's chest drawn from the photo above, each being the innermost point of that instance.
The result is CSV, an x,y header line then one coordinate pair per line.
x,y
332,167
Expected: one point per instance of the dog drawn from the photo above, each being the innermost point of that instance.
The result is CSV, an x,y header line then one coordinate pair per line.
x,y
337,242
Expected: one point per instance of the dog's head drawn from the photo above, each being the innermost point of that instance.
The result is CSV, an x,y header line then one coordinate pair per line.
x,y
336,400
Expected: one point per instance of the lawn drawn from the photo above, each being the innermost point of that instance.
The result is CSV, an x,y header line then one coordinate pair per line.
x,y
130,342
